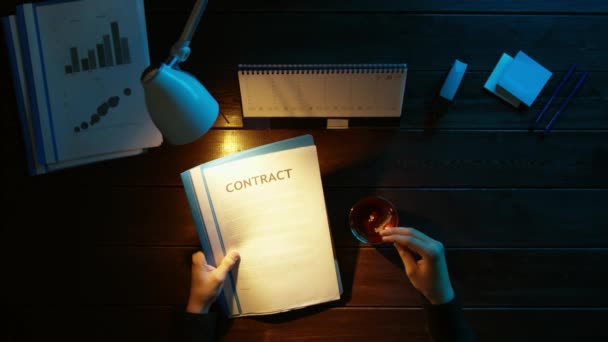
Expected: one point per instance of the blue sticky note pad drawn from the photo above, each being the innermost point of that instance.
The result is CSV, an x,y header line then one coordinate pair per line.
x,y
503,63
524,78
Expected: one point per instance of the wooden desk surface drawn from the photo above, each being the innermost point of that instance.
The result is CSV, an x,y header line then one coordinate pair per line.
x,y
105,248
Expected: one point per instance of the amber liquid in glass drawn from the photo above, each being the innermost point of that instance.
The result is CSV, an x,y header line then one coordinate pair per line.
x,y
369,216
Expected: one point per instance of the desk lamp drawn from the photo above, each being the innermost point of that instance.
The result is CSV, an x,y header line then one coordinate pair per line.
x,y
179,105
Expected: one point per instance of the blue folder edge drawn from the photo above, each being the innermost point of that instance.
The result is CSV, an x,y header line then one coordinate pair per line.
x,y
39,151
12,56
219,234
301,141
200,228
30,84
46,86
41,156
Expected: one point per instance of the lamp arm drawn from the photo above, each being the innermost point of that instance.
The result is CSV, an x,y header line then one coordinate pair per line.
x,y
180,51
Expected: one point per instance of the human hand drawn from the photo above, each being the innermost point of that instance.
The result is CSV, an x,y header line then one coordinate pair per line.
x,y
429,274
206,281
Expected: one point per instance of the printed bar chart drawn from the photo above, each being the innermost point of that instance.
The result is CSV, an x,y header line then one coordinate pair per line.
x,y
75,60
92,60
116,41
102,55
108,50
113,50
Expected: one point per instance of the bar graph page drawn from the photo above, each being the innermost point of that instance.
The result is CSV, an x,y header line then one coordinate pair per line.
x,y
111,50
94,52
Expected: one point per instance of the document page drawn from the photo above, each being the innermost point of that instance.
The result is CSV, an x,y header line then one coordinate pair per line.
x,y
271,209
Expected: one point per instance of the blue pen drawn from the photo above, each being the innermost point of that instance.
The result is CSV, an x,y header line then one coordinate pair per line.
x,y
557,89
580,82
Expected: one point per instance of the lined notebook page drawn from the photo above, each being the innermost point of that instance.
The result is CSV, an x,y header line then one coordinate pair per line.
x,y
323,90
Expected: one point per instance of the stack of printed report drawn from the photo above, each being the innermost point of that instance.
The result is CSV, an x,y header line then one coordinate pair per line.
x,y
76,67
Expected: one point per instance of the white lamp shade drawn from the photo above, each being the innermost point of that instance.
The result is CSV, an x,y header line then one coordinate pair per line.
x,y
179,105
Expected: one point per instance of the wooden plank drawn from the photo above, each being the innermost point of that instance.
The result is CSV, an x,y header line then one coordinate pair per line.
x,y
137,276
373,158
476,108
473,108
487,218
479,50
443,6
408,325
337,324
555,41
459,218
66,323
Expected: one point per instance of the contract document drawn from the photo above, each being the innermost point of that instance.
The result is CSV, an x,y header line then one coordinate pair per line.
x,y
267,203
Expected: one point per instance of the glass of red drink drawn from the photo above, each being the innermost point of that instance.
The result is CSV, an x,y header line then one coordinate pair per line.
x,y
369,216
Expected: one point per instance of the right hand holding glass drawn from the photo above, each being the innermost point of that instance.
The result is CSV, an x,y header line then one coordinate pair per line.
x,y
429,273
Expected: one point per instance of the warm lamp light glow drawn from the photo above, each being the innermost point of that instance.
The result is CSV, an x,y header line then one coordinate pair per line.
x,y
230,144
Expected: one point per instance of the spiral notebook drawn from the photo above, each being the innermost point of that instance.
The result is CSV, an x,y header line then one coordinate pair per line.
x,y
322,90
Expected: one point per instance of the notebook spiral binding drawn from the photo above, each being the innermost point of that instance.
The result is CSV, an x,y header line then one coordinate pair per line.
x,y
291,69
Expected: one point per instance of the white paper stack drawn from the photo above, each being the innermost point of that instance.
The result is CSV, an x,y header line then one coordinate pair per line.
x,y
76,68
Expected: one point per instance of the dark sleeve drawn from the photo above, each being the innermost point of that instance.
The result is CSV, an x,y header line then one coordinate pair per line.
x,y
446,322
195,327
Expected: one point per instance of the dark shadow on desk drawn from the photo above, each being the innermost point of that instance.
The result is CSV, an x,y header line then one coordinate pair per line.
x,y
437,109
279,318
